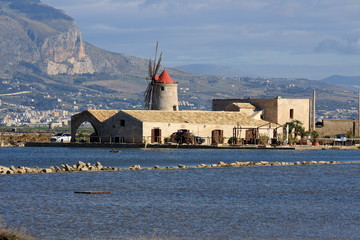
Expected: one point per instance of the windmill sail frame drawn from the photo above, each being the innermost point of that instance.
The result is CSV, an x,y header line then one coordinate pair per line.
x,y
153,69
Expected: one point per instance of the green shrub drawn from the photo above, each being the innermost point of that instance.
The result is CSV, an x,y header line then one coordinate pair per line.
x,y
263,139
234,140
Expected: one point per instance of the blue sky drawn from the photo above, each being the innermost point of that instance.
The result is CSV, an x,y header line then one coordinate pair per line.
x,y
279,38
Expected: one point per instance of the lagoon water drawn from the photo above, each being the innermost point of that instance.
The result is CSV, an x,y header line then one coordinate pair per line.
x,y
282,202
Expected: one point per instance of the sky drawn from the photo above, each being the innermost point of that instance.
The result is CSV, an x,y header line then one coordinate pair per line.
x,y
310,39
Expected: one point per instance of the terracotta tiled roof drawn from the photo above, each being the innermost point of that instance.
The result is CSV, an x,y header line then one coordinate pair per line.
x,y
102,115
196,117
164,77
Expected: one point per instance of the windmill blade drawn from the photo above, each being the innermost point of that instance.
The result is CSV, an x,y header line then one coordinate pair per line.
x,y
153,68
156,50
151,93
150,70
146,93
148,96
158,65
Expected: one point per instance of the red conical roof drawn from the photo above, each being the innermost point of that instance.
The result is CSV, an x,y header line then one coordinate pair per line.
x,y
164,77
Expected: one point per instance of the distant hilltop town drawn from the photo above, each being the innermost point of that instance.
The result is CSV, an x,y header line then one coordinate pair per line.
x,y
29,116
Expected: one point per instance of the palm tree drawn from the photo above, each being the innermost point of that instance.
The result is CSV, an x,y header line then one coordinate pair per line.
x,y
296,128
314,136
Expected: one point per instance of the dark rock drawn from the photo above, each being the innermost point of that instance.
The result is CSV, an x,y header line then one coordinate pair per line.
x,y
181,166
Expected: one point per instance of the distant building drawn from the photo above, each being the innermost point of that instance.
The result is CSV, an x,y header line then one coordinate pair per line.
x,y
275,110
38,125
332,127
146,126
54,125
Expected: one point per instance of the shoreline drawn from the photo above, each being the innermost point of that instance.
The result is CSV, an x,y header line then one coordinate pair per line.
x,y
97,167
184,146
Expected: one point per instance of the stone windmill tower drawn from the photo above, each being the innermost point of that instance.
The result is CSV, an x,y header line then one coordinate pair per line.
x,y
161,92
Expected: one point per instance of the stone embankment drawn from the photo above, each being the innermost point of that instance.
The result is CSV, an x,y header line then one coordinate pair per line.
x,y
79,167
87,167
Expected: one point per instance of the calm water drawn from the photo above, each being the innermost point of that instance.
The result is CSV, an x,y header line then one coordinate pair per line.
x,y
285,202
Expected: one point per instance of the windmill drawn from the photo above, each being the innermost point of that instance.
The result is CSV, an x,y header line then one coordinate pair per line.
x,y
161,92
154,67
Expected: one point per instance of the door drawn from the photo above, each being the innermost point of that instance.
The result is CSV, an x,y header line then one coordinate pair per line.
x,y
156,135
251,135
217,136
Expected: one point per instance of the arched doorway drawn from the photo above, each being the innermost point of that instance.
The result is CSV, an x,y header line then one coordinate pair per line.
x,y
85,129
96,119
87,133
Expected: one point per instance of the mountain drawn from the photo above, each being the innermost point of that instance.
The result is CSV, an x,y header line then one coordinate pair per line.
x,y
37,37
344,81
43,51
44,38
44,56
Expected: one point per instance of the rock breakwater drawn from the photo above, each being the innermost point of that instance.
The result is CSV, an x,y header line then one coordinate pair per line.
x,y
79,167
87,167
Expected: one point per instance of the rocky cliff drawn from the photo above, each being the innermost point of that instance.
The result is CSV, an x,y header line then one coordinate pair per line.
x,y
64,52
35,36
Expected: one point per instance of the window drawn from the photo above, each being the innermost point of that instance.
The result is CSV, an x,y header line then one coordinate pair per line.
x,y
174,108
162,88
291,113
122,123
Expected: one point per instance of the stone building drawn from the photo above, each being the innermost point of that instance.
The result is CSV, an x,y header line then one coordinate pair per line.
x,y
275,110
332,127
247,119
163,94
146,126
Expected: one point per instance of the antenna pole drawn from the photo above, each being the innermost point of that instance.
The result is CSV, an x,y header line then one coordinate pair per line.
x,y
358,134
313,111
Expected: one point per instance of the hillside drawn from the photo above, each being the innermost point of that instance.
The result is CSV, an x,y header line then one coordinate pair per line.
x,y
42,51
352,82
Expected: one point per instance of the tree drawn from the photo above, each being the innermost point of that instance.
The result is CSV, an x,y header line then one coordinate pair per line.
x,y
314,136
296,128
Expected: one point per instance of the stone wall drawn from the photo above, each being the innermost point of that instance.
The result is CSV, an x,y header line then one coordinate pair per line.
x,y
276,110
201,130
78,119
123,125
301,111
332,127
165,97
